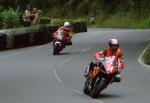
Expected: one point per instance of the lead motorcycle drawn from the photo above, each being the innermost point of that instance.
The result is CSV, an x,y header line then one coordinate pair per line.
x,y
102,75
58,42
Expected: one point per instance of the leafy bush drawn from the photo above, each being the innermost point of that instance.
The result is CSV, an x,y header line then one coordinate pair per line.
x,y
45,20
10,18
57,22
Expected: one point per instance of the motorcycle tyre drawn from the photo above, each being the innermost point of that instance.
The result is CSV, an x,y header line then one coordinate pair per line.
x,y
85,89
97,90
55,51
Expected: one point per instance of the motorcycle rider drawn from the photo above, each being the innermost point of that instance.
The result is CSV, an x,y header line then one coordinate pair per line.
x,y
112,49
67,31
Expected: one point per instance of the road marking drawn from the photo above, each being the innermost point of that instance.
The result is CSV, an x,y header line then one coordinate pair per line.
x,y
65,60
98,101
77,91
6,56
60,80
86,49
37,47
15,53
140,57
57,77
55,72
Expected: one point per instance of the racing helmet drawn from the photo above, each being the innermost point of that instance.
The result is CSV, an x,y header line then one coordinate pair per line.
x,y
66,24
113,45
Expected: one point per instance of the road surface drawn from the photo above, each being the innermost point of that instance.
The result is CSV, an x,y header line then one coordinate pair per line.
x,y
34,75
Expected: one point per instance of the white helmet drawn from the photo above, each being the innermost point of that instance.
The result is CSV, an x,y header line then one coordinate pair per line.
x,y
113,41
113,44
66,24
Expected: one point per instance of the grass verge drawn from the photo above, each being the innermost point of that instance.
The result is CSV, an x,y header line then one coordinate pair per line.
x,y
121,20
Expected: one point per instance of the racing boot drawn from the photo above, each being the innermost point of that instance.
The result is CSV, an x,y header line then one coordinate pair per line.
x,y
117,78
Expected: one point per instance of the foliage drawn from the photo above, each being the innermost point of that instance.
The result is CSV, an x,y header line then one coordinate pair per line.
x,y
134,13
10,17
86,6
121,20
45,20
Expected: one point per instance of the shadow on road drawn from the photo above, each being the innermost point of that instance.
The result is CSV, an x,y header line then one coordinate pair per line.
x,y
106,96
69,53
64,53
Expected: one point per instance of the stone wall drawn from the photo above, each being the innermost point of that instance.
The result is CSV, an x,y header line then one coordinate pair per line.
x,y
22,37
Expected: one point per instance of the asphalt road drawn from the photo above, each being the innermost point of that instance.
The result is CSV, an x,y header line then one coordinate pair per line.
x,y
34,75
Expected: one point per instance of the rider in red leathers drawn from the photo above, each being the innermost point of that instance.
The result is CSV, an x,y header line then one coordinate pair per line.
x,y
67,32
112,49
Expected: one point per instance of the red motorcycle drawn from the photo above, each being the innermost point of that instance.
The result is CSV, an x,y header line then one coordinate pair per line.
x,y
58,42
102,75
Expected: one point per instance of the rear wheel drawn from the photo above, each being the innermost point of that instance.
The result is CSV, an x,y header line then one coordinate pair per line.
x,y
69,42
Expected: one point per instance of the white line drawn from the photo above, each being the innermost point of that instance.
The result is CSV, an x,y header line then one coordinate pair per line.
x,y
65,60
57,77
86,49
3,57
15,53
77,91
98,101
37,47
140,58
6,56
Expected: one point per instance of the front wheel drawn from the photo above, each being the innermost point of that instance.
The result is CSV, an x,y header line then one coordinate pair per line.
x,y
85,89
56,49
97,89
54,52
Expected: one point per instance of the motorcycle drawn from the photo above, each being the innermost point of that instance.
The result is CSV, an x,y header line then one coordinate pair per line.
x,y
102,75
58,43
